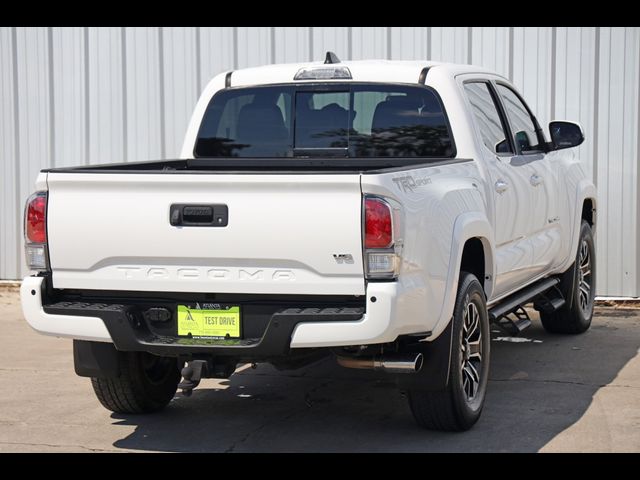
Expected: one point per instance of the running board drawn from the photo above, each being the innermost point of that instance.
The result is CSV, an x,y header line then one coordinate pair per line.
x,y
549,301
510,311
515,322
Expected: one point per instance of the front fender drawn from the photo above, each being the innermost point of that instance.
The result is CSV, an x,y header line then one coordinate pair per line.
x,y
467,225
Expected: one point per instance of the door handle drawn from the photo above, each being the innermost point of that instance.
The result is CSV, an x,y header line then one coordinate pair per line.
x,y
535,180
501,186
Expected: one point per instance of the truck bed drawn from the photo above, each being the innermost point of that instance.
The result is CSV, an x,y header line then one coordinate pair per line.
x,y
263,166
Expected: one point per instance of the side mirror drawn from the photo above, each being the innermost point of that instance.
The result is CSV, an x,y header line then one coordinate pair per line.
x,y
565,134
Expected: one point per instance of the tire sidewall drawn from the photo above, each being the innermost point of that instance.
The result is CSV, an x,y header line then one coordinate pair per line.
x,y
159,391
469,290
586,234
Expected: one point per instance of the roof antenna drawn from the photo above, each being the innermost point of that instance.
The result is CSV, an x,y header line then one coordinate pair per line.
x,y
331,58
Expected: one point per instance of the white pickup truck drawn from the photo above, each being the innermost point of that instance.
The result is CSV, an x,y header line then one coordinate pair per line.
x,y
384,212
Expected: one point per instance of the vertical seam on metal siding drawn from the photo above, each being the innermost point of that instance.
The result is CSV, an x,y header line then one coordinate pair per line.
x,y
52,129
272,41
608,140
537,74
161,88
198,64
123,52
3,178
16,121
469,44
622,182
637,292
87,111
596,102
428,43
310,44
388,43
235,47
511,53
350,42
552,94
543,95
566,76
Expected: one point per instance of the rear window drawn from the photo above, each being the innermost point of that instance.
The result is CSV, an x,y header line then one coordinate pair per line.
x,y
353,120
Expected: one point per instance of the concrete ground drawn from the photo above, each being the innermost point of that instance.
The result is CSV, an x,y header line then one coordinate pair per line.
x,y
551,394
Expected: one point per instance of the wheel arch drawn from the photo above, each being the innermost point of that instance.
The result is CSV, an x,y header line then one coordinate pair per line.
x,y
589,211
471,231
586,203
477,258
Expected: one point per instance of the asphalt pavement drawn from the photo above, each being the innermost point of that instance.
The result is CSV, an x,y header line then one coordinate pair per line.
x,y
547,393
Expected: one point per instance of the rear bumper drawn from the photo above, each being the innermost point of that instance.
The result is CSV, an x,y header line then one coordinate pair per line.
x,y
281,330
377,325
80,327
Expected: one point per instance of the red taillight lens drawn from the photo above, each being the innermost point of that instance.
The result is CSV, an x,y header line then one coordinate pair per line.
x,y
378,227
35,227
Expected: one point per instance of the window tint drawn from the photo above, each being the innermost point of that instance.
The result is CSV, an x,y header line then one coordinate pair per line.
x,y
522,125
356,120
249,123
322,119
487,117
398,122
364,104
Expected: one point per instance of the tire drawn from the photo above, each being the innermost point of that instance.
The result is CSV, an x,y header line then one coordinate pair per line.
x,y
578,287
459,405
146,384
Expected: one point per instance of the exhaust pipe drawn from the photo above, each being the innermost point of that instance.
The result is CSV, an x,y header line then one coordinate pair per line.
x,y
411,363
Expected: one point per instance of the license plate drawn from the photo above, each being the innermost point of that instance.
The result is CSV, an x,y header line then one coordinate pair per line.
x,y
220,322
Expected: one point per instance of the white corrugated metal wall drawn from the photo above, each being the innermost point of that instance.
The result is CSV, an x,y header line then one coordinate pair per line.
x,y
74,96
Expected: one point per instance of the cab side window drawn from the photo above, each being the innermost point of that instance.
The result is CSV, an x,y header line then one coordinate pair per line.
x,y
487,117
522,125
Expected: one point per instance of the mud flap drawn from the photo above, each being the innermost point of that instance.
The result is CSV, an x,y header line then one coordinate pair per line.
x,y
434,374
95,359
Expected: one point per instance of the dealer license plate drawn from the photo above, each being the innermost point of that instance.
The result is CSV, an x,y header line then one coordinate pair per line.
x,y
220,322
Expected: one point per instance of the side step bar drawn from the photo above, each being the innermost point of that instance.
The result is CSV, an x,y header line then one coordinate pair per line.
x,y
510,312
525,295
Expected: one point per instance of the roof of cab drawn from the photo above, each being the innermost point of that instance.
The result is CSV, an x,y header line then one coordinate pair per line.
x,y
395,71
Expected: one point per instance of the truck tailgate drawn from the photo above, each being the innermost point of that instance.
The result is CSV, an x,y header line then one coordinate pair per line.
x,y
286,233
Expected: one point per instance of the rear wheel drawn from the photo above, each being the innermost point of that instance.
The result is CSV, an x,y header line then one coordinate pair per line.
x,y
147,383
459,405
578,287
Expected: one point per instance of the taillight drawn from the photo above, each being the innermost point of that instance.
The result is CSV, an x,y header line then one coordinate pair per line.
x,y
378,223
35,228
35,231
382,245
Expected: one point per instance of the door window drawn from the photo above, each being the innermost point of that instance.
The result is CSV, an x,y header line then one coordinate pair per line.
x,y
487,118
522,125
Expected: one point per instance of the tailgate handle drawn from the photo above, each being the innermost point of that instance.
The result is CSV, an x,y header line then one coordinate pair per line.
x,y
197,215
